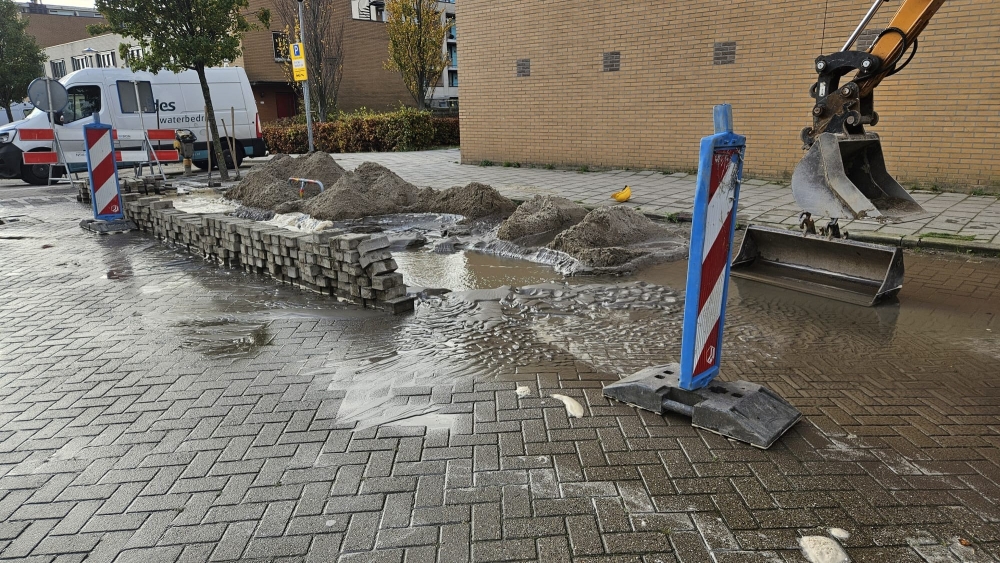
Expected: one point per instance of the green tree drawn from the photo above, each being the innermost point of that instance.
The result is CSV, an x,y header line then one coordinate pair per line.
x,y
21,58
416,45
177,35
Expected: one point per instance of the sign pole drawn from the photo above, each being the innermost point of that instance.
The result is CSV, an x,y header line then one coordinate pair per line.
x,y
305,78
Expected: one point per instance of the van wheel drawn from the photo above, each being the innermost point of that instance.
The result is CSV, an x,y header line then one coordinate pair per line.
x,y
38,174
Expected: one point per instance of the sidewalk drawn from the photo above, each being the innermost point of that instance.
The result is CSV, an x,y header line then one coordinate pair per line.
x,y
953,219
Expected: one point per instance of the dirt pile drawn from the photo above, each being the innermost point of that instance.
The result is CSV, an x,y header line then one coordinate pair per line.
x,y
541,215
370,190
474,201
266,186
316,166
619,236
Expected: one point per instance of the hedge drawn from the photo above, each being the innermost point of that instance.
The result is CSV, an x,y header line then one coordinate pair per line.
x,y
405,129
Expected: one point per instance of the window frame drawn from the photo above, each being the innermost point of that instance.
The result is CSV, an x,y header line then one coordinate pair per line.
x,y
149,107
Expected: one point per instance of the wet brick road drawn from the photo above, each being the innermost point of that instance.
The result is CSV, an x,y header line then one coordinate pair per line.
x,y
156,408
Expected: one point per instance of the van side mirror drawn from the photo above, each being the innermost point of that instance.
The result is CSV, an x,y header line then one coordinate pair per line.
x,y
56,117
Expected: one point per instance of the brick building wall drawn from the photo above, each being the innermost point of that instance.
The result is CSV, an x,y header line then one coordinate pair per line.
x,y
940,118
54,29
365,82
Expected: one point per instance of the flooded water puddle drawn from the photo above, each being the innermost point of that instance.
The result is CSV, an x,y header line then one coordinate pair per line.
x,y
518,321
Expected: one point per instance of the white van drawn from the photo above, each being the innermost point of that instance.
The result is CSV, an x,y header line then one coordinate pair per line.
x,y
169,101
19,111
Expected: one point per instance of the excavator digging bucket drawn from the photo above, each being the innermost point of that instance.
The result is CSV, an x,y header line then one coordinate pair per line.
x,y
847,270
844,176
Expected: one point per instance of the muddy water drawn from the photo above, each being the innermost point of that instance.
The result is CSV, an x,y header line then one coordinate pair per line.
x,y
512,320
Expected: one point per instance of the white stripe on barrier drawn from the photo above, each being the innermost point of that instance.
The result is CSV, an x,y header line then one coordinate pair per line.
x,y
718,209
708,316
105,190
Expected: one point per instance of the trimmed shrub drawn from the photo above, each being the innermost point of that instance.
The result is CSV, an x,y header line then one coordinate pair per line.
x,y
446,132
405,129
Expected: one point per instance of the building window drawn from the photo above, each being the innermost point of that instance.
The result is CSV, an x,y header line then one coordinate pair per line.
x,y
280,41
82,62
449,20
612,61
370,10
724,53
523,67
126,97
453,78
106,60
453,55
58,68
135,53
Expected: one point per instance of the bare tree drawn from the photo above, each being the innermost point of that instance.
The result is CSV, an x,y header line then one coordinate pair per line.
x,y
324,49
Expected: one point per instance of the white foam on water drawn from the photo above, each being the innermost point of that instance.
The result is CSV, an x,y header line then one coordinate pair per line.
x,y
523,391
820,549
573,408
840,533
299,222
204,205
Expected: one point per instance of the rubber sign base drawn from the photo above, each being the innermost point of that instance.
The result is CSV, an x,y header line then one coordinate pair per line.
x,y
740,410
108,227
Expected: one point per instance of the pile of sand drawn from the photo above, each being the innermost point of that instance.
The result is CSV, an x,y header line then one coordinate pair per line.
x,y
370,190
317,166
541,215
266,186
607,227
619,236
473,201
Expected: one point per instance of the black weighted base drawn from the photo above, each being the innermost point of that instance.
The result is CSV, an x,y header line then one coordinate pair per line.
x,y
739,410
107,227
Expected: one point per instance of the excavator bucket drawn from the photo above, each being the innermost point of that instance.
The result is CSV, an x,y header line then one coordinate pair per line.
x,y
844,176
847,270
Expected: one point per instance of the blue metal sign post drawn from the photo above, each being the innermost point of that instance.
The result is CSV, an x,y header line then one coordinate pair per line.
x,y
717,195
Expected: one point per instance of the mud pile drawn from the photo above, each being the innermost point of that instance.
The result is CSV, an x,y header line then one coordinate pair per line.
x,y
316,166
266,186
370,190
539,216
473,201
619,236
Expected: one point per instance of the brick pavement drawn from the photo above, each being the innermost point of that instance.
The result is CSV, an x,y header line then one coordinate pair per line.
x,y
125,435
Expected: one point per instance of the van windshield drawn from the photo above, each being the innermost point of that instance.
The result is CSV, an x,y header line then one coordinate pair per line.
x,y
84,101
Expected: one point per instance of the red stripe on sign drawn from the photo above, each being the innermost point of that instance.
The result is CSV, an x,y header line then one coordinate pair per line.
x,y
113,207
103,172
714,265
168,156
720,163
41,158
710,353
114,134
161,134
36,134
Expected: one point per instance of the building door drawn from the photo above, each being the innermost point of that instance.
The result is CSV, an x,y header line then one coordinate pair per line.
x,y
285,102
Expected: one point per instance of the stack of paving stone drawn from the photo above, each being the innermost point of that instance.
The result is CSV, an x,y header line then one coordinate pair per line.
x,y
350,266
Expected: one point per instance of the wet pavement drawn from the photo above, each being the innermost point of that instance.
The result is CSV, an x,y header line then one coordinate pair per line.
x,y
156,407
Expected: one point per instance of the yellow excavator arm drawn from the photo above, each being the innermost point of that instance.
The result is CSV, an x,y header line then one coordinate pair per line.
x,y
911,18
843,174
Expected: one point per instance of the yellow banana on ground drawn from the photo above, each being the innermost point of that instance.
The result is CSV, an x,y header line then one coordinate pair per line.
x,y
622,196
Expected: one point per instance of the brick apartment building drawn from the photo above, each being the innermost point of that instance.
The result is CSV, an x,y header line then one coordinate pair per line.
x,y
365,82
632,84
52,25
